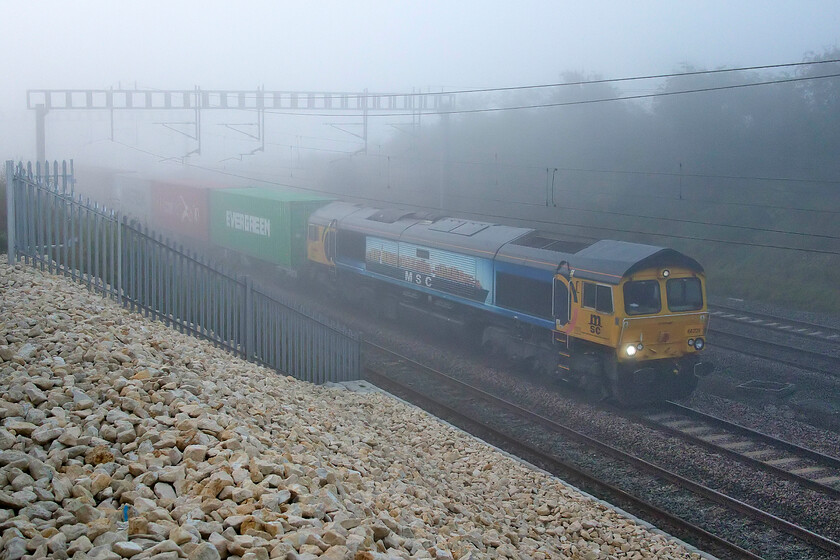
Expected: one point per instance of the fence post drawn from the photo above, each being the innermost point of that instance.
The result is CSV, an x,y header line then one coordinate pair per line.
x,y
10,211
120,223
249,318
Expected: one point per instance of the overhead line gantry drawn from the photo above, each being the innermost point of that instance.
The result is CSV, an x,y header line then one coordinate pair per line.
x,y
42,101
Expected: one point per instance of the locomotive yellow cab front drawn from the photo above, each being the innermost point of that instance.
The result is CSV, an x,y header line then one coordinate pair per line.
x,y
663,330
650,322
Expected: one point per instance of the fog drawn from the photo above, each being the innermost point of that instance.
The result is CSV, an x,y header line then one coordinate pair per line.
x,y
343,46
725,173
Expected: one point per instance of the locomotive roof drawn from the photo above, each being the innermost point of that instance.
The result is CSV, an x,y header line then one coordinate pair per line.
x,y
609,261
605,261
364,219
481,239
470,237
333,211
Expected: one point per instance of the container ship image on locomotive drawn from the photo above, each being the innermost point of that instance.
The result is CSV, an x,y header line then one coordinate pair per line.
x,y
621,320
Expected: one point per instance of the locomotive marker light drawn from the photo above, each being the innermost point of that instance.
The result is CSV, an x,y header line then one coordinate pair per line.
x,y
633,348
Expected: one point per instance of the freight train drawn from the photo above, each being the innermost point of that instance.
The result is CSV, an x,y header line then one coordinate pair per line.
x,y
621,320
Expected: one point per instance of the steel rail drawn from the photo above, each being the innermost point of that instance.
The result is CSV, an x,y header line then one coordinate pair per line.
x,y
559,465
766,518
832,462
725,340
832,333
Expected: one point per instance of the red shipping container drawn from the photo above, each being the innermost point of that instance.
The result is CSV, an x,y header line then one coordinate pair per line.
x,y
182,208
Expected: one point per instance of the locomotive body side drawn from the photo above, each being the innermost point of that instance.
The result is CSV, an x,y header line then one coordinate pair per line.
x,y
404,257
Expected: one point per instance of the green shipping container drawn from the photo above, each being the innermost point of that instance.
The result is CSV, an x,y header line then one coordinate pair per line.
x,y
264,223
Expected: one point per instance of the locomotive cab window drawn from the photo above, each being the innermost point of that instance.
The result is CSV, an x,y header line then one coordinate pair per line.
x,y
351,245
684,294
642,297
597,297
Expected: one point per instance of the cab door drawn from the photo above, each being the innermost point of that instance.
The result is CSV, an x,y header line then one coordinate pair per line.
x,y
330,236
321,244
562,297
562,302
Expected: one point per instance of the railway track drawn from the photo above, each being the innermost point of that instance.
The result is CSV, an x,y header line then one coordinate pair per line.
x,y
722,525
740,331
782,325
814,470
782,353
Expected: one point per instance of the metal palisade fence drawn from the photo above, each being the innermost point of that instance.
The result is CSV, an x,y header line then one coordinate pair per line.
x,y
52,228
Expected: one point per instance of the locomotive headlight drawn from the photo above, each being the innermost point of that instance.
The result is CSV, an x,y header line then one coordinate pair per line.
x,y
630,350
699,343
691,342
666,273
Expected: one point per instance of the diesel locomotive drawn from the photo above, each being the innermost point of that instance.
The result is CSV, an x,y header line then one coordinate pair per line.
x,y
621,320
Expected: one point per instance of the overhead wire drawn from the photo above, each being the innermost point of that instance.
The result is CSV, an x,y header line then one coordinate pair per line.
x,y
588,191
502,217
371,114
642,96
619,80
659,218
252,94
673,174
623,79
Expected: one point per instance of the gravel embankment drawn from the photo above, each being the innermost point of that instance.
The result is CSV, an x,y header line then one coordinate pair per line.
x,y
123,439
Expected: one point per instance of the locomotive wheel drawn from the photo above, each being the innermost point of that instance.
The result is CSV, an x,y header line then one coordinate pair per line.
x,y
390,308
594,388
543,371
368,301
490,347
629,393
491,344
682,385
